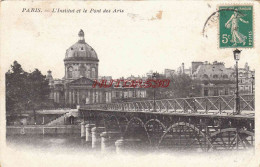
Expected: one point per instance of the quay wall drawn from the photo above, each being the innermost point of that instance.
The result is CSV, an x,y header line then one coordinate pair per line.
x,y
64,129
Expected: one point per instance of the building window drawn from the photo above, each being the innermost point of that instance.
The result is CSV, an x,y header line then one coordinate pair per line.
x,y
206,92
117,94
215,92
82,70
134,93
215,76
88,74
226,91
93,72
225,76
70,69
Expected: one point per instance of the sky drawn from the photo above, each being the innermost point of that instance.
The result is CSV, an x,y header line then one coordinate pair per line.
x,y
159,36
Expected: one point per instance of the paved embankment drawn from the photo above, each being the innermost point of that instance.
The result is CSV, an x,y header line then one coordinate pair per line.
x,y
41,129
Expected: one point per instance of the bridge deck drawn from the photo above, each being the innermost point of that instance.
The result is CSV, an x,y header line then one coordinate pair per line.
x,y
210,114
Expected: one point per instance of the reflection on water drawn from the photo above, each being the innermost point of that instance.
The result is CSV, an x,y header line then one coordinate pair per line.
x,y
49,142
64,142
74,143
71,150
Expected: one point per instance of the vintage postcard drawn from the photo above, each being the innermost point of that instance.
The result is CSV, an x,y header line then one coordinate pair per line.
x,y
129,83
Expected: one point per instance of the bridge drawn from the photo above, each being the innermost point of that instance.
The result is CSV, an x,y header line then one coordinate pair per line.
x,y
195,123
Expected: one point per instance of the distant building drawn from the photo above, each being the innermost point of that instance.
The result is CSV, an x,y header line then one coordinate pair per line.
x,y
108,78
218,89
195,65
221,79
182,70
169,73
214,71
246,80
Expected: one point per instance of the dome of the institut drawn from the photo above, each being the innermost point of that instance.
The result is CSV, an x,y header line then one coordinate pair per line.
x,y
81,60
81,50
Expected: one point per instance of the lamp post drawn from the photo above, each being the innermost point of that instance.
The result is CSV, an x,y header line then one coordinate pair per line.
x,y
236,58
154,104
253,79
192,99
192,90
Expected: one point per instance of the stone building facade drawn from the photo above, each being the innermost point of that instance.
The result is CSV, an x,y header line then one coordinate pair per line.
x,y
219,80
81,70
214,71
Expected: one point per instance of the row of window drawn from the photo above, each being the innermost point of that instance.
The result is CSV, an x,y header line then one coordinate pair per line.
x,y
225,91
225,76
128,94
83,72
244,87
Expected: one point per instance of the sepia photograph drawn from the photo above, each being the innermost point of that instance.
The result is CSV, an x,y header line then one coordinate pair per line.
x,y
129,83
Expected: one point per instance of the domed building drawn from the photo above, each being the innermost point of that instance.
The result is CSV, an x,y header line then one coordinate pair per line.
x,y
81,69
81,60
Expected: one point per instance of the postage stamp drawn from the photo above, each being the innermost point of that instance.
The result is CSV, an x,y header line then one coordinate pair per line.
x,y
236,26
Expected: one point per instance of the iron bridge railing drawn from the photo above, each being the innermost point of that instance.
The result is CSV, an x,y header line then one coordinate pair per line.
x,y
209,105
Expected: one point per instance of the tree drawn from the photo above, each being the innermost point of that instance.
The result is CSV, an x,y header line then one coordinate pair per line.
x,y
25,91
181,86
38,90
15,89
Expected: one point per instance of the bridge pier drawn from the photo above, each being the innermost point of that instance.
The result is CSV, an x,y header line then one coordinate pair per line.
x,y
96,136
88,132
120,145
107,138
82,129
104,141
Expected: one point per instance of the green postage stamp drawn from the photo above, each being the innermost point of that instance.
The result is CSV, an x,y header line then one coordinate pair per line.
x,y
236,27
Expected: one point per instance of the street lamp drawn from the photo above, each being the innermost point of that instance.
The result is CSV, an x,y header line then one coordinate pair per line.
x,y
253,79
192,90
154,104
236,58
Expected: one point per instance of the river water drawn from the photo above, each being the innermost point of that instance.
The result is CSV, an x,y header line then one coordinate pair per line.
x,y
74,143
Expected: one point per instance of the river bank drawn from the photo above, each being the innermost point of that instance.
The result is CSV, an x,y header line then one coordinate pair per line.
x,y
42,129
